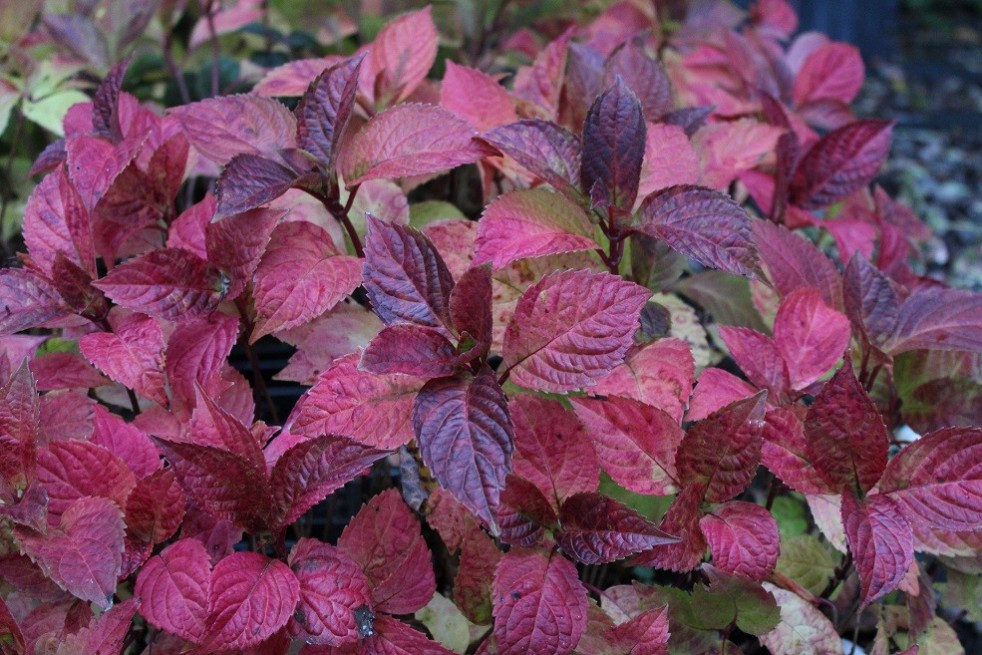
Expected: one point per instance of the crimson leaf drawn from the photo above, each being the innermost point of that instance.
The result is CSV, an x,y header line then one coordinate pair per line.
x,y
595,529
743,538
412,350
174,587
880,541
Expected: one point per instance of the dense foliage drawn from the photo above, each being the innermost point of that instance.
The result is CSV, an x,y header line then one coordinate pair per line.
x,y
610,307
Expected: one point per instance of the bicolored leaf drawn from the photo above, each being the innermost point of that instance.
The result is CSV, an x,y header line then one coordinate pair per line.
x,y
743,539
937,480
845,437
547,150
703,224
301,276
174,587
613,146
531,223
595,529
803,627
405,277
83,554
408,140
540,607
166,283
220,128
810,336
411,350
553,450
401,56
843,161
333,590
479,557
570,329
466,439
476,96
372,409
385,539
524,513
880,541
325,109
27,300
635,443
644,634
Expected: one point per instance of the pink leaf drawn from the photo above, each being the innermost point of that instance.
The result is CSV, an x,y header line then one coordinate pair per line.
x,y
385,539
408,140
841,162
294,77
325,109
795,263
465,437
595,529
71,470
301,276
803,627
174,587
130,355
635,443
553,450
401,56
476,96
524,513
196,352
937,480
332,589
880,541
65,371
832,72
94,164
106,634
810,337
372,409
613,146
531,223
188,230
411,350
846,439
166,283
251,598
155,507
390,637
644,634
540,607
729,148
406,279
668,159
220,128
235,245
681,520
83,554
250,181
54,219
722,451
561,336
743,539
27,300
784,452
659,374
758,356
702,224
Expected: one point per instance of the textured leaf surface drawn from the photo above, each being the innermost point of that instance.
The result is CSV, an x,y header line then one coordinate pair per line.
x,y
250,181
595,529
385,539
635,443
301,276
408,140
220,128
325,109
167,283
72,470
794,263
470,305
845,437
703,224
644,634
668,159
743,539
155,507
466,439
476,96
810,336
401,56
571,328
411,350
27,300
758,357
833,72
938,319
479,557
540,607
130,355
174,587
803,627
531,223
547,150
613,145
524,513
880,541
643,75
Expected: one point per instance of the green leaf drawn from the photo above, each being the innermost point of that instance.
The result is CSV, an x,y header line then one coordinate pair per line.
x,y
963,591
446,623
428,211
807,560
791,514
650,507
49,112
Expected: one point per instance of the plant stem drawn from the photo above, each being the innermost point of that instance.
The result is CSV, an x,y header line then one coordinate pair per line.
x,y
8,172
839,575
257,374
340,212
175,70
216,49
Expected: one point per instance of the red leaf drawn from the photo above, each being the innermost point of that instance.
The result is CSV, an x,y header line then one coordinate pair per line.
x,y
613,147
595,529
465,437
167,283
155,507
385,539
880,541
94,164
411,350
524,513
540,607
220,128
301,276
406,279
810,337
311,470
20,420
72,470
332,589
702,224
635,443
531,223
547,150
83,554
644,76
795,263
470,305
659,374
389,637
553,449
372,409
476,96
65,371
55,221
669,159
325,109
250,181
27,300
126,441
479,556
784,452
130,355
401,56
846,439
743,539
173,589
937,480
681,519
236,244
196,353
834,71
758,357
938,319
571,328
251,598
294,77
645,634
843,161
66,417
408,140
722,451
188,230
871,300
